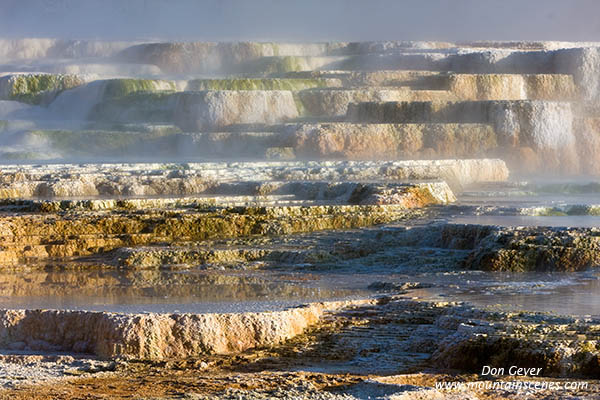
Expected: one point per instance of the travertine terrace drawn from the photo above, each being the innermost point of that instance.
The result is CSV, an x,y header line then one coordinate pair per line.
x,y
251,208
530,104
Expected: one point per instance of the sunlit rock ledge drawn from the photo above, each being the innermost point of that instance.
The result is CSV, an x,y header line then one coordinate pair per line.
x,y
253,178
155,336
446,335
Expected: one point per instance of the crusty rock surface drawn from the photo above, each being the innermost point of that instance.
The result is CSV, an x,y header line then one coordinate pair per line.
x,y
35,237
537,123
520,249
531,88
440,334
206,57
155,336
512,87
211,110
391,141
50,368
367,145
51,230
587,132
251,178
335,102
547,128
37,88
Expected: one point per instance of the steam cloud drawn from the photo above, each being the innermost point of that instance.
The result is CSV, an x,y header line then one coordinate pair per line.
x,y
306,20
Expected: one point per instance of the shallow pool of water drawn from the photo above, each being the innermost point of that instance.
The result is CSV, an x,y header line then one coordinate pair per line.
x,y
194,291
560,293
582,221
255,291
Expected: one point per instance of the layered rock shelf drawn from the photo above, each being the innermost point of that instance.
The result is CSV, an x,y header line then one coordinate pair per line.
x,y
241,219
227,204
158,336
252,178
533,102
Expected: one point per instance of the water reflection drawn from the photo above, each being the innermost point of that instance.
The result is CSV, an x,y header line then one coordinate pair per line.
x,y
582,221
560,293
164,291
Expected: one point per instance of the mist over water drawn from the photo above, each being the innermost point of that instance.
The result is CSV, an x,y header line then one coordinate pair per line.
x,y
309,20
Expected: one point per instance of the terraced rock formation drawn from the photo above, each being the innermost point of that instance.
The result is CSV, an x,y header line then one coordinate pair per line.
x,y
533,101
251,179
69,227
268,213
157,336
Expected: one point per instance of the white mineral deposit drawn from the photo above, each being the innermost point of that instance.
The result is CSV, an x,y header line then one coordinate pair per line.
x,y
256,199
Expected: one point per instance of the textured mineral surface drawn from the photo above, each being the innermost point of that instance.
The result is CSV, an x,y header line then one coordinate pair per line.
x,y
532,104
384,220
